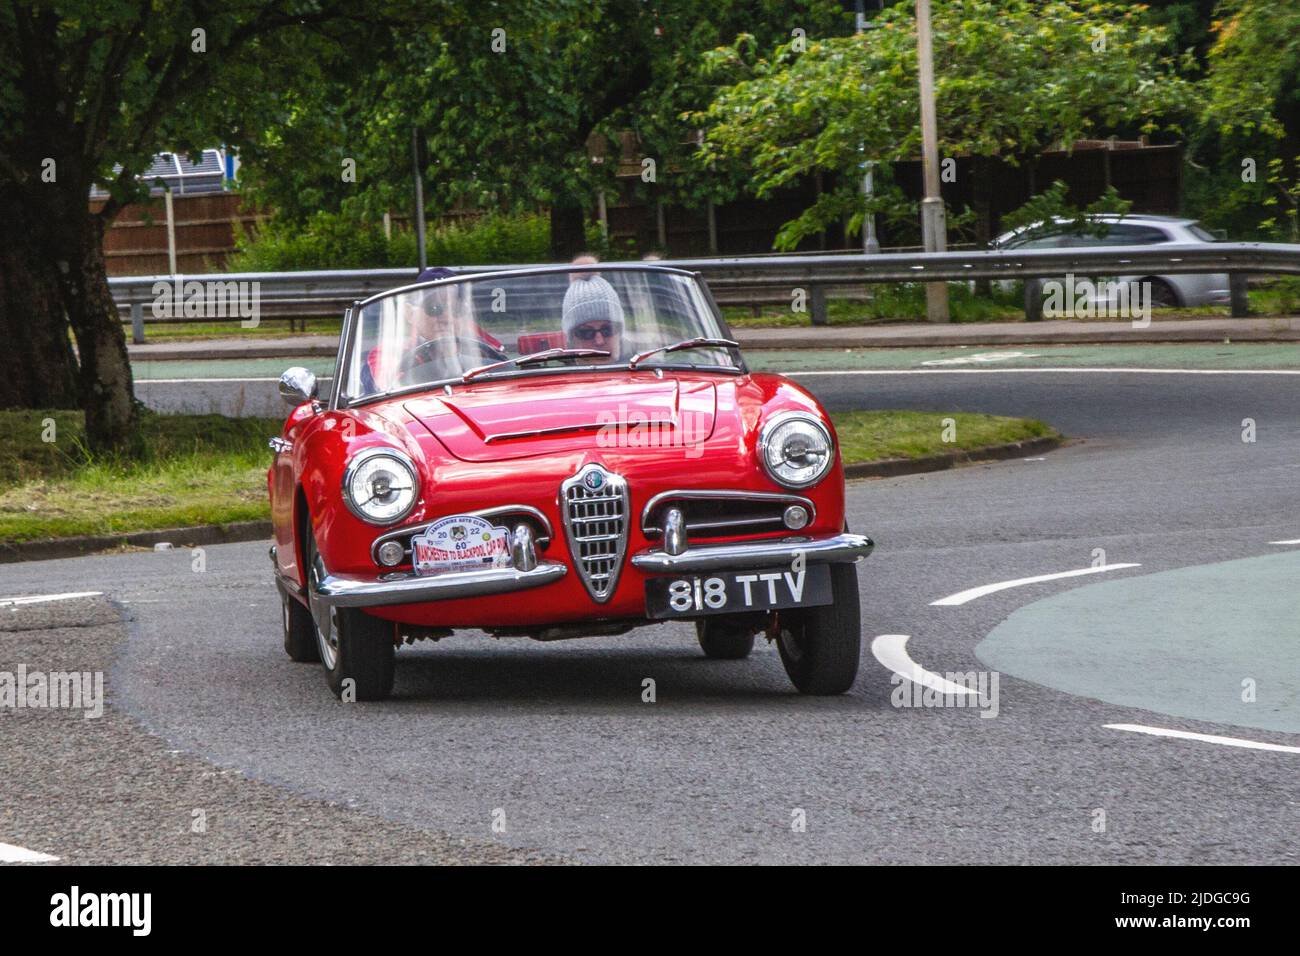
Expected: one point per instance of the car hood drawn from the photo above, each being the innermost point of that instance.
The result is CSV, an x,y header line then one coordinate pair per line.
x,y
521,417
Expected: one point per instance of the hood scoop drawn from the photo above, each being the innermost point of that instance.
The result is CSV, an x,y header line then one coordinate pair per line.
x,y
492,421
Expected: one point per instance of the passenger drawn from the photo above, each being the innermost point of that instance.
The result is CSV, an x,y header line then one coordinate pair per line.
x,y
592,318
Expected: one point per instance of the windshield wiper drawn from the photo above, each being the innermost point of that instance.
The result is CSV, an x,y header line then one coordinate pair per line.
x,y
699,343
533,357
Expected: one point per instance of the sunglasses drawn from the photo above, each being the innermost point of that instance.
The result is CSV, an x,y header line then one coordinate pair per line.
x,y
587,333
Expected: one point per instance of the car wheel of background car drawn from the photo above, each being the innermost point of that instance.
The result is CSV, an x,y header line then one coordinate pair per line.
x,y
820,646
725,639
299,631
353,645
1163,295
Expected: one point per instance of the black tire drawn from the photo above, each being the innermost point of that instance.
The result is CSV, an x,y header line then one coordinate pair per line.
x,y
356,650
725,639
299,631
820,646
1163,295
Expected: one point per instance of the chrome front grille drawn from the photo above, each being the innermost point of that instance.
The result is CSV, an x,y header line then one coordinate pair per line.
x,y
722,513
594,505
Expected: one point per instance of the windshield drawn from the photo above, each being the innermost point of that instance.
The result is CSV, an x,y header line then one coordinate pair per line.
x,y
436,333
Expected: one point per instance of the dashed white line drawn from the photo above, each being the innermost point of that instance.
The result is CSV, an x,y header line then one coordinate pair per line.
x,y
17,854
891,650
1292,541
1203,738
970,594
42,598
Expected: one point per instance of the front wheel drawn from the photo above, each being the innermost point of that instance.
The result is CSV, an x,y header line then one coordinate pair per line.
x,y
820,646
356,649
299,631
724,639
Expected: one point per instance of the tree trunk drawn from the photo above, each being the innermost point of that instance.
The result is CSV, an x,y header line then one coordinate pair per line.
x,y
568,232
107,386
37,366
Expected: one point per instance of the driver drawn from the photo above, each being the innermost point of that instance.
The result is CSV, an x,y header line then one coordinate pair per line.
x,y
426,317
592,318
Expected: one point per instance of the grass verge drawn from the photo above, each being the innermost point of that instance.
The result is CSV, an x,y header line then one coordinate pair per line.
x,y
267,328
207,469
877,436
201,469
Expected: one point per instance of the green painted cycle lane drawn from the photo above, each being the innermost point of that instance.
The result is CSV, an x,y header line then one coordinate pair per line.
x,y
1243,357
1246,356
1215,642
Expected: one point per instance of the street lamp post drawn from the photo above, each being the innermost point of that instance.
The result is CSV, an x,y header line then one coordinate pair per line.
x,y
418,161
870,244
932,216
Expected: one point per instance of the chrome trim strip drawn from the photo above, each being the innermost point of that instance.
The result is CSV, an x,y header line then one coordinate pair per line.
x,y
566,429
838,548
341,590
486,514
715,494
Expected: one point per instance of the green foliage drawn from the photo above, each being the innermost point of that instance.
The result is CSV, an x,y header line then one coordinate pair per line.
x,y
337,241
507,116
1052,204
1012,77
1283,200
1254,64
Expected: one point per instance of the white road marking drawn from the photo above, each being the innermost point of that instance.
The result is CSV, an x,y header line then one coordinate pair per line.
x,y
1039,371
1203,738
1292,541
42,598
891,650
970,594
16,854
980,357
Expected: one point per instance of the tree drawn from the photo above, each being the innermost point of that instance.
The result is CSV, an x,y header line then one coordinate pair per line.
x,y
1249,148
1013,77
509,99
89,90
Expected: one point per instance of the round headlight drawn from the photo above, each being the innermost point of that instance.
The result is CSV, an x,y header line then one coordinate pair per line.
x,y
381,486
795,449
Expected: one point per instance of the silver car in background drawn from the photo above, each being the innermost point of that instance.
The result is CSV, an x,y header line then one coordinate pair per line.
x,y
1134,229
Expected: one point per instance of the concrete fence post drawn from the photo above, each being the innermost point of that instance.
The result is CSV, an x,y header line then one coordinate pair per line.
x,y
1238,295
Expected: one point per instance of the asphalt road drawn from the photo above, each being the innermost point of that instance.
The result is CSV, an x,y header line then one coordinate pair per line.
x,y
556,741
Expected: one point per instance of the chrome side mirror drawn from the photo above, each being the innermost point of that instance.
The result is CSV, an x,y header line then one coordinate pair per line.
x,y
297,385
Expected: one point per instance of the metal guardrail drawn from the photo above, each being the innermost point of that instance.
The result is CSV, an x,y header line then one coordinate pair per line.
x,y
733,279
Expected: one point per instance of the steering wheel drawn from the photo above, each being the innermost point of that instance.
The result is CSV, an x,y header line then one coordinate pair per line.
x,y
464,343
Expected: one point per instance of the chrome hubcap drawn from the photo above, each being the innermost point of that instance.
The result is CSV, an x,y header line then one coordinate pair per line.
x,y
324,615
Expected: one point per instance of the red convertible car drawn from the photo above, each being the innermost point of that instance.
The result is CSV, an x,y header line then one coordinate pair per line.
x,y
557,452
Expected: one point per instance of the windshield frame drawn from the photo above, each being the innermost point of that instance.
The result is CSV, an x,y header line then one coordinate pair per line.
x,y
471,274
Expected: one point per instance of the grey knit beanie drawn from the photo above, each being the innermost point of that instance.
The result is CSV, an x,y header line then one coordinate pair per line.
x,y
590,299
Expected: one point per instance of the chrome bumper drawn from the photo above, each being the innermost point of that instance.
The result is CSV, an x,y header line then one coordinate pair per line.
x,y
836,548
341,590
